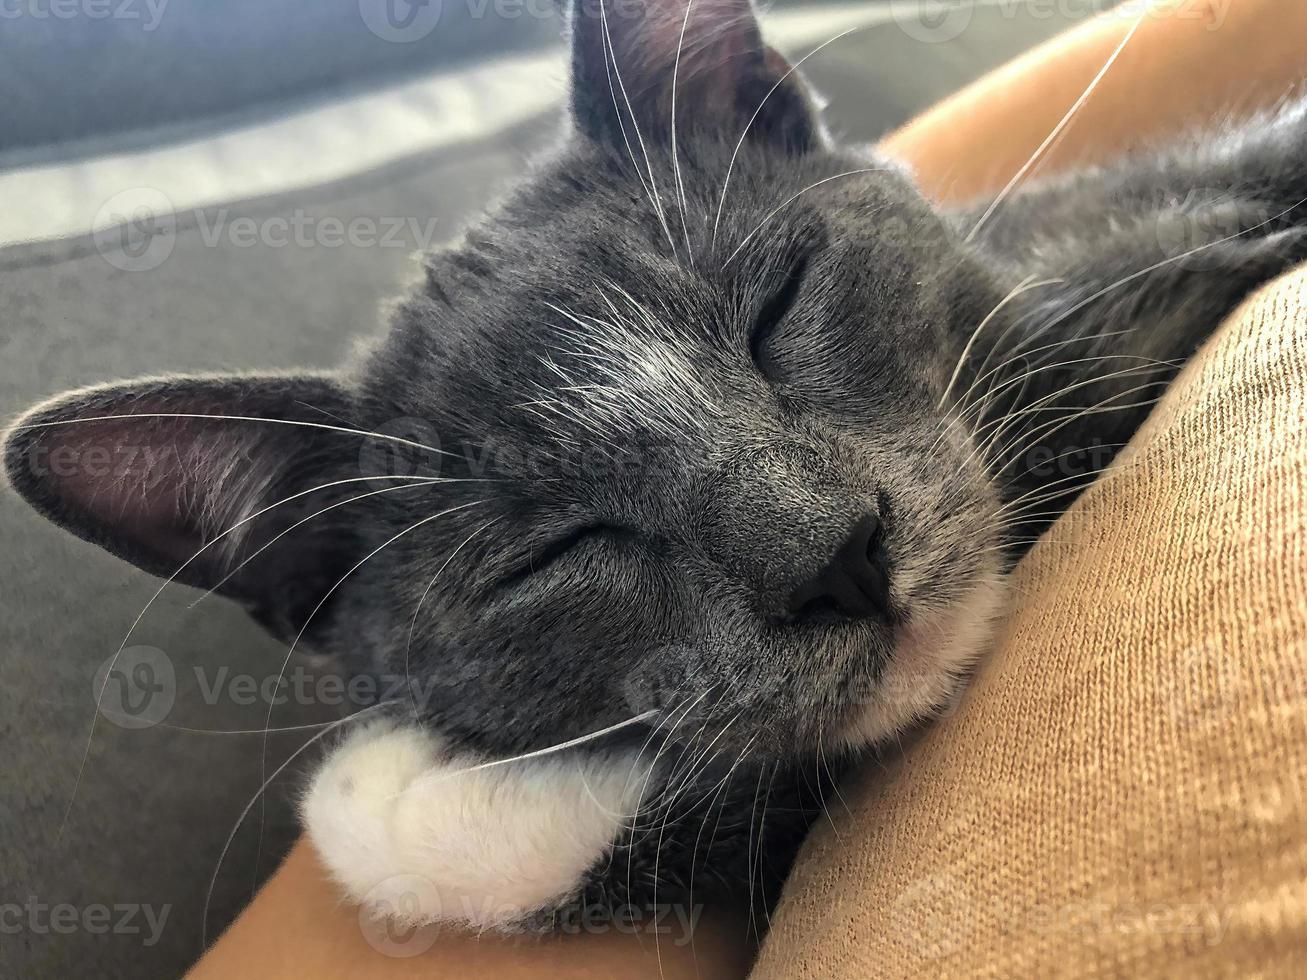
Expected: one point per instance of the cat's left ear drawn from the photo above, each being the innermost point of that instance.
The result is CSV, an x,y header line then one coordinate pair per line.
x,y
169,474
629,55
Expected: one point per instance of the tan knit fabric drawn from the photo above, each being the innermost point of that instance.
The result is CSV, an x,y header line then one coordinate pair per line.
x,y
1124,789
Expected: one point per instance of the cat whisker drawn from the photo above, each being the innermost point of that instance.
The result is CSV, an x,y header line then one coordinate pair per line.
x,y
999,464
307,727
790,200
983,371
1046,402
234,418
676,159
658,850
997,370
99,701
1025,286
318,607
1052,137
982,404
652,187
1016,502
1172,260
821,763
222,855
762,826
699,765
719,796
1149,364
640,719
749,847
1027,512
674,718
984,448
431,481
658,811
730,166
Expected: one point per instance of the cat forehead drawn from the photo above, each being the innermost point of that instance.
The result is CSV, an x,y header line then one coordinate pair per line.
x,y
625,371
591,366
570,316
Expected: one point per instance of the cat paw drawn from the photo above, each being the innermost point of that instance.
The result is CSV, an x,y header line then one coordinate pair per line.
x,y
417,833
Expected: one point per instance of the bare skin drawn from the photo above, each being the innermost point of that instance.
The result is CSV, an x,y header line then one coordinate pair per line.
x,y
298,927
1188,62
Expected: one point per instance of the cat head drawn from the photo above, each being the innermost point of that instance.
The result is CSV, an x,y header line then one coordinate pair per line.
x,y
659,434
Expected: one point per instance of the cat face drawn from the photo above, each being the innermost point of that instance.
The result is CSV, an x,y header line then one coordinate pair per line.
x,y
669,424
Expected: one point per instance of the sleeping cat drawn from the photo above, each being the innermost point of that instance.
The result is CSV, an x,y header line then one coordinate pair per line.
x,y
728,440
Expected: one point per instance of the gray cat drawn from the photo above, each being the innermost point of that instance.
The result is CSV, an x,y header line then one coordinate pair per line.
x,y
729,438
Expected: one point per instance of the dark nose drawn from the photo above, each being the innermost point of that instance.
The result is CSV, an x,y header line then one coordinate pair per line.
x,y
854,584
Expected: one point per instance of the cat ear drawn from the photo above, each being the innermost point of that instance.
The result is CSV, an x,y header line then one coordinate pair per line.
x,y
148,470
625,55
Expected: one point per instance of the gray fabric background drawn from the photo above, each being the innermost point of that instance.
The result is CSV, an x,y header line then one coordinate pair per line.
x,y
154,807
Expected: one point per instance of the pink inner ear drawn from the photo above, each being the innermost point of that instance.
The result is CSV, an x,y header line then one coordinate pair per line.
x,y
719,38
143,480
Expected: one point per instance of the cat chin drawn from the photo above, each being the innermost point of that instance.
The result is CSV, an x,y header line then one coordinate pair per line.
x,y
926,668
413,836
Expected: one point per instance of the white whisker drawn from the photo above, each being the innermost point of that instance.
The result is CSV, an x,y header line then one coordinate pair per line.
x,y
730,166
408,648
1165,262
534,754
676,159
222,856
791,199
322,602
1021,174
234,418
318,513
99,701
652,189
1025,286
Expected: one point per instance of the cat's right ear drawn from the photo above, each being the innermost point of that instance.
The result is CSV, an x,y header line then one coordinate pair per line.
x,y
636,63
189,476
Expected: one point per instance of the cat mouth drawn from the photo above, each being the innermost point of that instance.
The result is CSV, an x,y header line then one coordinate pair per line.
x,y
928,661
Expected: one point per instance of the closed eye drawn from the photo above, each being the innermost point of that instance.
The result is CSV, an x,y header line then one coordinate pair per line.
x,y
541,558
772,314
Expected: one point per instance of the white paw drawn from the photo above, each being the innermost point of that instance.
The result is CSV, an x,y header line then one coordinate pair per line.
x,y
408,831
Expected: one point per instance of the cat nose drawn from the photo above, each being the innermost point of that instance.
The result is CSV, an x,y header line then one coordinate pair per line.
x,y
854,584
